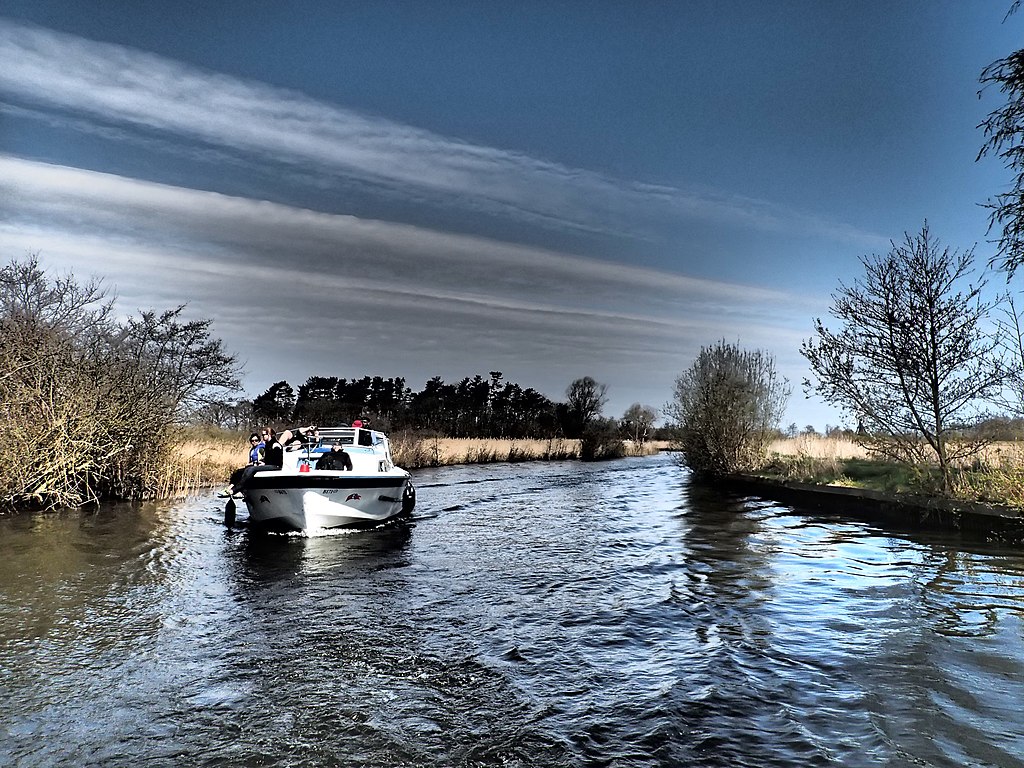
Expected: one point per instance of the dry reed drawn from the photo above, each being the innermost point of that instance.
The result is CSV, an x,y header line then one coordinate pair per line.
x,y
812,458
412,452
200,461
819,447
995,474
204,460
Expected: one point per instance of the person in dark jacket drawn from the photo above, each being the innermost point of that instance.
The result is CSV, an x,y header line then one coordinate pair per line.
x,y
273,451
337,458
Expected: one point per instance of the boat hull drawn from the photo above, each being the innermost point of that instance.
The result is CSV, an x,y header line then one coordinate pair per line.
x,y
303,501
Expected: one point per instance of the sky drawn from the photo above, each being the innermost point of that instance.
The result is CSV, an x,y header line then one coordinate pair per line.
x,y
548,189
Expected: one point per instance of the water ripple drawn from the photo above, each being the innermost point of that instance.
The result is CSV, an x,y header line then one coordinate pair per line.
x,y
558,614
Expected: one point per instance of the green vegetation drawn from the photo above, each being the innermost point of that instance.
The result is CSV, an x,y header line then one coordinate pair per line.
x,y
874,474
602,439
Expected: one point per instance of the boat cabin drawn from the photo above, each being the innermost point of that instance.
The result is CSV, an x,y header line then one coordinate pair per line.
x,y
369,450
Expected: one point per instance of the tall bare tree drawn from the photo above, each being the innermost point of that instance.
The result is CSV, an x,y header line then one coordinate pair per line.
x,y
178,359
911,358
1009,321
585,399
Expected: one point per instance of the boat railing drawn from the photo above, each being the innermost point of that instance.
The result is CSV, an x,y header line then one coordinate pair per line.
x,y
350,436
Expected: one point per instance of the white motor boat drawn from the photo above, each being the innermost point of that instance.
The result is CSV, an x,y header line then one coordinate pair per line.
x,y
300,497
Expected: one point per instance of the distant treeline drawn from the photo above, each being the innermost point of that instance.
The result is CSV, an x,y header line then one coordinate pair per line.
x,y
474,407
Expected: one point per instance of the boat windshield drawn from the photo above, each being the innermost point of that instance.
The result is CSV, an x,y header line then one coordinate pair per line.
x,y
349,436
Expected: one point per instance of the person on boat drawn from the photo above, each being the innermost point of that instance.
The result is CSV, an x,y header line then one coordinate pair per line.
x,y
256,446
273,448
300,435
336,458
272,457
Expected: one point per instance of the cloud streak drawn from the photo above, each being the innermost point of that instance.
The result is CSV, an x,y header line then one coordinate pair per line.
x,y
301,292
80,82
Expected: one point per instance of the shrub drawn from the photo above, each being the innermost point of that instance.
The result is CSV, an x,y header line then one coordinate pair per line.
x,y
86,403
602,440
727,408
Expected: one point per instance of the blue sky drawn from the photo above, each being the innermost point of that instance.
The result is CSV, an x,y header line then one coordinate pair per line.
x,y
549,189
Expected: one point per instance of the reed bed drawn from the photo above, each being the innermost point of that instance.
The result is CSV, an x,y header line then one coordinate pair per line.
x,y
819,447
413,452
200,461
1006,453
812,458
204,459
995,475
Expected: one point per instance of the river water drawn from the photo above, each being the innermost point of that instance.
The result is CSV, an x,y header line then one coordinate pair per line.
x,y
548,614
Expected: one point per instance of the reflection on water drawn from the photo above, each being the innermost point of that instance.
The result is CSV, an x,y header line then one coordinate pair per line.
x,y
558,614
268,557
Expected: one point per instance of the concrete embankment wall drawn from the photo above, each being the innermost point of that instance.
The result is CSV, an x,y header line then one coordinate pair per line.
x,y
974,519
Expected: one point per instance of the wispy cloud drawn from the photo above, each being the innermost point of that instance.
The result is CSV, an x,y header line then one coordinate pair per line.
x,y
310,291
105,87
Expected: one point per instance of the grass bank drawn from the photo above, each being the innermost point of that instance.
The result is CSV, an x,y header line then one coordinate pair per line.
x,y
204,458
994,476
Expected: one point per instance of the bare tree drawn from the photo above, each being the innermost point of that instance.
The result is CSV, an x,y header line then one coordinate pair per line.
x,y
585,399
911,359
1010,325
727,407
83,414
637,422
179,360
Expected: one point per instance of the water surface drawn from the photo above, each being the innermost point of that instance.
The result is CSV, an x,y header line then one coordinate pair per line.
x,y
548,614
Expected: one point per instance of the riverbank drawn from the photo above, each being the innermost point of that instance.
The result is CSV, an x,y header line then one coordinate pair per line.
x,y
838,475
906,511
994,476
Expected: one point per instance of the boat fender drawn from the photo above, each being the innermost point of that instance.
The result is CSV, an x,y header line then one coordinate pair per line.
x,y
408,499
229,513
